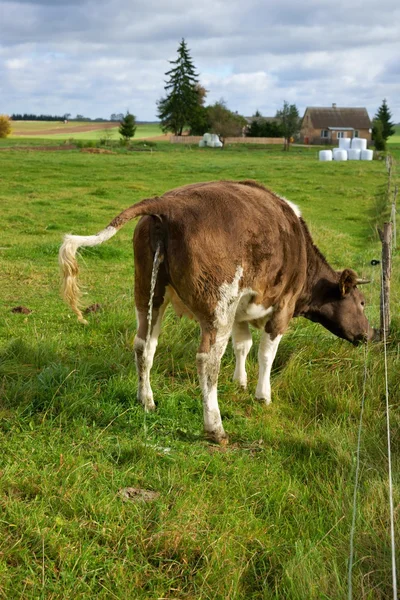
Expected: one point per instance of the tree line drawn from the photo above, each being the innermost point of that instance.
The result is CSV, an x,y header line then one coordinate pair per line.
x,y
31,117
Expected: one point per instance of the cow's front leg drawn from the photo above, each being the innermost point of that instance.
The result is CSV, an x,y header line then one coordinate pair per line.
x,y
266,355
242,342
208,360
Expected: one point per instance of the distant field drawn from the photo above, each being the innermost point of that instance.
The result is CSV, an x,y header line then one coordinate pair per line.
x,y
395,139
86,130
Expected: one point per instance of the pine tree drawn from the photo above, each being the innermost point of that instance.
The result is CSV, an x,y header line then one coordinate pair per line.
x,y
127,126
182,102
384,115
377,135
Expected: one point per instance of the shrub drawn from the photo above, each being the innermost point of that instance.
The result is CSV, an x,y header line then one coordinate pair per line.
x,y
377,135
5,126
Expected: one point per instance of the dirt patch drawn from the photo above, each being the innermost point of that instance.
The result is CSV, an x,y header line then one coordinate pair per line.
x,y
138,495
97,151
158,138
93,308
21,309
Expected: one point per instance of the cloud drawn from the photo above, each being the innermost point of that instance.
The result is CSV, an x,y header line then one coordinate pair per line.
x,y
95,57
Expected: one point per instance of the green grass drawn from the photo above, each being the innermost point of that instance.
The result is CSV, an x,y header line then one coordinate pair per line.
x,y
267,517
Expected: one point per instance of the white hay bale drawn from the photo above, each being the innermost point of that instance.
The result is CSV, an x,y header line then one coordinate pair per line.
x,y
340,155
325,155
354,154
359,144
367,154
344,143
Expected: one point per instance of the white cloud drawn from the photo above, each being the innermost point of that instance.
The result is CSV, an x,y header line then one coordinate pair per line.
x,y
95,57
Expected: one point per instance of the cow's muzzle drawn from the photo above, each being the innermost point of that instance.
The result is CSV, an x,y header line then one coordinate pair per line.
x,y
373,335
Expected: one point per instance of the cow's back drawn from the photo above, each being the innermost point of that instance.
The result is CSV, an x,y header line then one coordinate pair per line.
x,y
214,228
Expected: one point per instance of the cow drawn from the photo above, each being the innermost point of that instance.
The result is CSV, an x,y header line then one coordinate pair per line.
x,y
229,254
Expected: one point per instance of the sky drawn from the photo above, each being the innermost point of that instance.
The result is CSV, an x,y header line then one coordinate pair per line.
x,y
98,57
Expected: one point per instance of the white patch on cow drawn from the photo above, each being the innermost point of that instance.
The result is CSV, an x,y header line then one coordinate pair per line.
x,y
229,297
208,368
266,355
242,342
248,310
293,206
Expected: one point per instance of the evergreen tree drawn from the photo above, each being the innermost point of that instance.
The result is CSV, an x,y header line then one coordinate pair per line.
x,y
289,120
384,115
127,126
183,102
377,135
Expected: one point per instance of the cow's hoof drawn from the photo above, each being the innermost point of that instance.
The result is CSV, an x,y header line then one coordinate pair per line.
x,y
217,437
149,407
266,401
242,383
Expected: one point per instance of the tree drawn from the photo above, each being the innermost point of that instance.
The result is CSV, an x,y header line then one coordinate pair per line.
x,y
224,122
183,101
377,135
127,126
5,126
198,120
289,120
261,127
384,115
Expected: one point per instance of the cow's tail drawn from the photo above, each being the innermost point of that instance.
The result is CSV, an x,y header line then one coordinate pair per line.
x,y
67,255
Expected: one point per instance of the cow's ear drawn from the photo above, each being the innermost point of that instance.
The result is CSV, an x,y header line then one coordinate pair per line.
x,y
348,280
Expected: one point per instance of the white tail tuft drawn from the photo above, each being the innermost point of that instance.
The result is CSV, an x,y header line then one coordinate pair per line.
x,y
69,267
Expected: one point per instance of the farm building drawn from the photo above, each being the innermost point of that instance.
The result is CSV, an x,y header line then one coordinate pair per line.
x,y
328,125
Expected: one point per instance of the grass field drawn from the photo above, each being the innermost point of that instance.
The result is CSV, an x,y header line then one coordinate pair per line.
x,y
266,517
395,139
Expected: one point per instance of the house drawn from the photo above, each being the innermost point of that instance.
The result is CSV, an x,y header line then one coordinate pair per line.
x,y
328,125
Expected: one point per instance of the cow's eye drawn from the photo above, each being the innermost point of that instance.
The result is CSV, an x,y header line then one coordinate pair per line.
x,y
362,303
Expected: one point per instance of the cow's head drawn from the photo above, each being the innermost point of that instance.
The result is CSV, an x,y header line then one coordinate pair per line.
x,y
340,308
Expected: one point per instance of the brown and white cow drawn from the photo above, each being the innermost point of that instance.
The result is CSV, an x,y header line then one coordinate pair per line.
x,y
232,254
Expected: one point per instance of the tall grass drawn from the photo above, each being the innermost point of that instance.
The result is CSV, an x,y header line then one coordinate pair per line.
x,y
266,517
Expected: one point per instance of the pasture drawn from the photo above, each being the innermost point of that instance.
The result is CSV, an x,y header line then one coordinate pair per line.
x,y
266,517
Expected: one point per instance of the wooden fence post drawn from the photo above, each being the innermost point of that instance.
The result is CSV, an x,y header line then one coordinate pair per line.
x,y
393,218
386,239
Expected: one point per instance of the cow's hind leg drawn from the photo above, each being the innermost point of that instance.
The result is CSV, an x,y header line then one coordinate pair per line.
x,y
150,290
145,347
266,355
242,342
212,348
